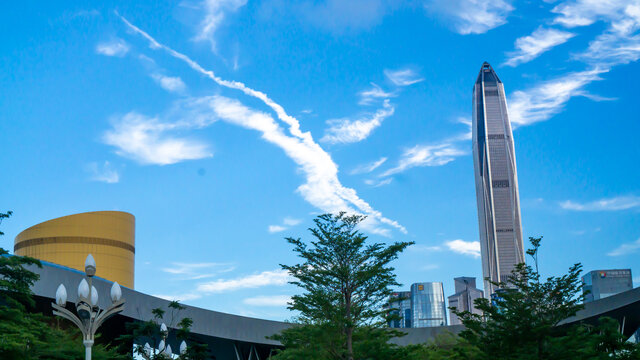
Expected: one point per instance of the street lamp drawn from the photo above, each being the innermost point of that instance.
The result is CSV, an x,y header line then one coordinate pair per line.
x,y
89,315
164,349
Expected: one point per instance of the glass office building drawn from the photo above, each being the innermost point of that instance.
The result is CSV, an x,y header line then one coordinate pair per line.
x,y
598,284
401,307
427,305
463,299
496,180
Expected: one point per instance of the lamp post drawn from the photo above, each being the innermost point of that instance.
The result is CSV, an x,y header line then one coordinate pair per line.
x,y
89,315
164,349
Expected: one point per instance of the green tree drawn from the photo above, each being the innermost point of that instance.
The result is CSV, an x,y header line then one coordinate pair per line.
x,y
150,330
345,282
25,334
523,321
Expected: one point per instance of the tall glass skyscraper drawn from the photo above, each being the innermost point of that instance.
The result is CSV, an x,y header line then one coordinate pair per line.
x,y
494,161
427,305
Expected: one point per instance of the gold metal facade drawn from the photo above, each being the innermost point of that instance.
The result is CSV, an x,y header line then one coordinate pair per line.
x,y
108,235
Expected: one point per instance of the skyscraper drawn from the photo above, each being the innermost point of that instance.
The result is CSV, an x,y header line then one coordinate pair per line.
x,y
427,305
462,300
494,161
599,284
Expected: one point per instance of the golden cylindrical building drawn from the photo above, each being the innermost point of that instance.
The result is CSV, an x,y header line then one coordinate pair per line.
x,y
108,235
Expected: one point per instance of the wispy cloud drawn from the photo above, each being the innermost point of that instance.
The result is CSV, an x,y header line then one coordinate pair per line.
x,y
548,98
215,13
531,46
472,16
289,221
425,155
619,44
378,183
369,96
265,278
195,271
116,47
369,167
322,187
149,141
626,249
574,13
471,248
607,204
273,300
403,77
169,83
349,131
276,228
104,173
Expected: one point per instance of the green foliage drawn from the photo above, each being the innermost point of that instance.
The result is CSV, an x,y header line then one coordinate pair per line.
x,y
522,323
345,282
26,335
150,330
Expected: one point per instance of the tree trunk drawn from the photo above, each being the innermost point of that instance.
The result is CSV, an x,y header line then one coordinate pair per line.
x,y
350,343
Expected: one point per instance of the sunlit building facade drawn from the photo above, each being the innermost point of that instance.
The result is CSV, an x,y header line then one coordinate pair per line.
x,y
108,235
427,305
496,180
463,299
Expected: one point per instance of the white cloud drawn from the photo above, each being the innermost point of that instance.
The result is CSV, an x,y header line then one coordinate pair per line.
x,y
472,16
215,13
117,47
464,247
350,131
147,140
322,187
289,221
105,173
531,46
367,97
369,167
425,248
425,155
274,300
378,183
585,12
610,204
548,98
403,77
276,228
265,278
169,83
626,249
195,271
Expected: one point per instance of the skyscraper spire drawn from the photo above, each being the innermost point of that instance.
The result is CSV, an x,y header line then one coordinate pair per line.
x,y
496,178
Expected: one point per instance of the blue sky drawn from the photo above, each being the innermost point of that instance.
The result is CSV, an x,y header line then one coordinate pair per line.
x,y
226,125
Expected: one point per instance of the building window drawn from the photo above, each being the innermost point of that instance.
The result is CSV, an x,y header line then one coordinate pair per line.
x,y
500,183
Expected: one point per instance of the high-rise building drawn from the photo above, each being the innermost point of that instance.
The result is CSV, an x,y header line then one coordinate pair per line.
x,y
496,178
401,303
462,300
598,284
427,305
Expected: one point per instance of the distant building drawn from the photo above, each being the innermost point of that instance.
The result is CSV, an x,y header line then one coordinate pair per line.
x,y
598,284
494,161
401,302
427,305
463,299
